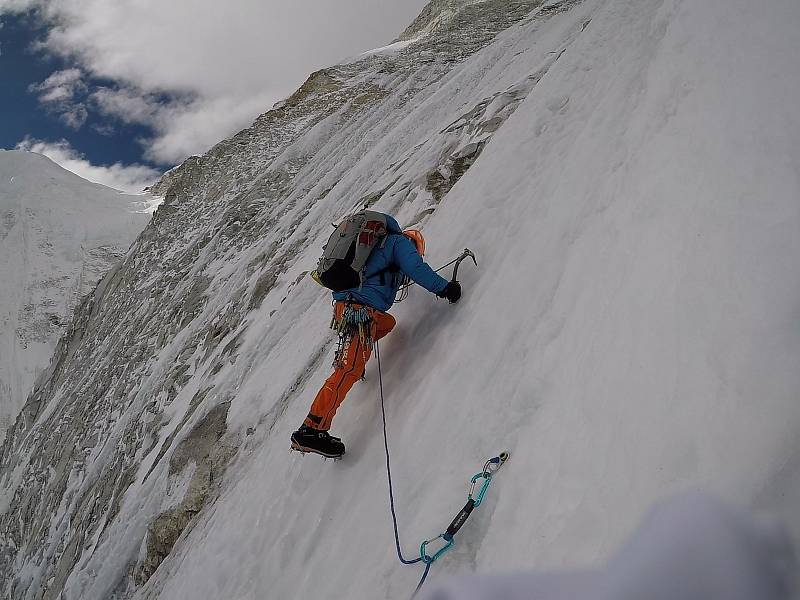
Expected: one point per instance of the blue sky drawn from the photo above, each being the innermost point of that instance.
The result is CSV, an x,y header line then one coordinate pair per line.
x,y
101,141
120,91
31,124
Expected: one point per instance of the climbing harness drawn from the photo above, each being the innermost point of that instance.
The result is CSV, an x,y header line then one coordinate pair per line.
x,y
356,320
480,481
355,323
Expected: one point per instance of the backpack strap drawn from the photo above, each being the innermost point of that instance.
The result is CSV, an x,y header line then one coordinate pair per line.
x,y
391,268
382,273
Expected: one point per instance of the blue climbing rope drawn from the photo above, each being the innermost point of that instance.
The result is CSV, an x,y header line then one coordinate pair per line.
x,y
389,476
473,500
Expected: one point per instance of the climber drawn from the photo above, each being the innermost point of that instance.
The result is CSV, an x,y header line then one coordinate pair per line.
x,y
359,314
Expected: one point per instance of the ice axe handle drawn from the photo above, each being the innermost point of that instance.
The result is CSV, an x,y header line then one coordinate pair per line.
x,y
466,253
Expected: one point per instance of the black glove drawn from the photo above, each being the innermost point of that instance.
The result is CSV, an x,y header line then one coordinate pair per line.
x,y
452,291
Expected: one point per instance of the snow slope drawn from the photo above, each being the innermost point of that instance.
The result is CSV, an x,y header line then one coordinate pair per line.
x,y
626,172
59,234
629,333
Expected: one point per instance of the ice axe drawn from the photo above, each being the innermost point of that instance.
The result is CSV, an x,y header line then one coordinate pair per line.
x,y
467,253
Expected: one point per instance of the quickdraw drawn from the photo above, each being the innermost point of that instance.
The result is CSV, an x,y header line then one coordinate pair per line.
x,y
473,502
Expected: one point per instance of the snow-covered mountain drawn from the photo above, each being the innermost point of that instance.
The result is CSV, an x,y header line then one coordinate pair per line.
x,y
59,234
626,172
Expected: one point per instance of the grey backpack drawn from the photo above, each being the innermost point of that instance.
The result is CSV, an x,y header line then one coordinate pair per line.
x,y
341,266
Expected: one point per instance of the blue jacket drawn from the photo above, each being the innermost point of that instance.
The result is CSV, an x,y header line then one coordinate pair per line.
x,y
379,290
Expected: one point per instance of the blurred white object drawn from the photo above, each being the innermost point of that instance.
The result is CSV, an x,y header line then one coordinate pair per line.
x,y
693,547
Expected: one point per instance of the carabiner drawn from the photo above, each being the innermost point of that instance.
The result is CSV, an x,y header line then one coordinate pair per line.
x,y
495,463
449,541
487,479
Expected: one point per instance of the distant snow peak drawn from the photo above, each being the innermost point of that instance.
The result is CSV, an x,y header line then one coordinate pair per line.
x,y
59,235
128,178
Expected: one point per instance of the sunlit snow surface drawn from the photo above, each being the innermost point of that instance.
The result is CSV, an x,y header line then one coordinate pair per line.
x,y
630,331
145,203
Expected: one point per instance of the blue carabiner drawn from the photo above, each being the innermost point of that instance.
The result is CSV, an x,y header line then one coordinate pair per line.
x,y
487,477
449,541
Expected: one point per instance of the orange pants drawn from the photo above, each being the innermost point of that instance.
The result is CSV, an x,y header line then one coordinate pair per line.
x,y
335,388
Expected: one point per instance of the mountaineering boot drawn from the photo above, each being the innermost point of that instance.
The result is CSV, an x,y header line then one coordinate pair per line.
x,y
307,439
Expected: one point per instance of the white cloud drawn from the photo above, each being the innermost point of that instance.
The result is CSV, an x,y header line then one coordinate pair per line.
x,y
13,6
105,129
227,62
127,105
127,178
185,127
192,129
68,81
60,93
74,116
